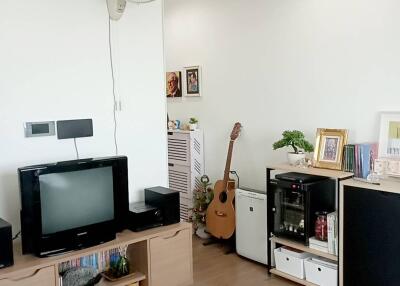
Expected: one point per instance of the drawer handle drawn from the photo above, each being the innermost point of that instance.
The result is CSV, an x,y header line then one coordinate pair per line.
x,y
172,236
319,269
287,258
24,277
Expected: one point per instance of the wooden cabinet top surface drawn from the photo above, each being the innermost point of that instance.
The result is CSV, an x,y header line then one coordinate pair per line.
x,y
336,174
27,262
390,185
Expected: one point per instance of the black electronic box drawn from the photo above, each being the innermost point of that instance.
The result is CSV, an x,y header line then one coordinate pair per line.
x,y
6,245
167,201
143,216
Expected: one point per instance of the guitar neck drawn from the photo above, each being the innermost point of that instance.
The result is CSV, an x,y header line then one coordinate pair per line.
x,y
228,163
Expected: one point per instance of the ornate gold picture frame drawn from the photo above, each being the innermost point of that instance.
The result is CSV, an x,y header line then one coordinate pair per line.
x,y
329,146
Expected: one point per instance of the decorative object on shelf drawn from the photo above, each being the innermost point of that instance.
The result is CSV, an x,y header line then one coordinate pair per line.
x,y
389,137
120,268
177,124
387,167
321,226
174,84
193,123
171,125
297,141
329,148
193,80
202,197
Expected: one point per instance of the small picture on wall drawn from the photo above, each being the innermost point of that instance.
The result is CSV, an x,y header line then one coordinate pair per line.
x,y
389,138
174,84
193,78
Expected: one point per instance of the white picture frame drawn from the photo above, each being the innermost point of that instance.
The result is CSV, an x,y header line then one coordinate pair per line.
x,y
389,135
193,81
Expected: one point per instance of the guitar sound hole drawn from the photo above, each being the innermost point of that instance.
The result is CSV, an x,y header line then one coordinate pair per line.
x,y
223,197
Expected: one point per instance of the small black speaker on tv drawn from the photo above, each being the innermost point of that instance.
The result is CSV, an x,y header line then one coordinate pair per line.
x,y
166,200
74,128
6,245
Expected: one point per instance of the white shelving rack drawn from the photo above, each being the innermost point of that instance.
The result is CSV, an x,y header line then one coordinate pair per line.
x,y
185,166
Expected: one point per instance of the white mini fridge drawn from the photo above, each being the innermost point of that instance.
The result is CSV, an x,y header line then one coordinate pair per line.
x,y
251,224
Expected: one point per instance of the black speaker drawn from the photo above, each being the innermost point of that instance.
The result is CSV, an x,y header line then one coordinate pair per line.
x,y
142,216
166,200
6,245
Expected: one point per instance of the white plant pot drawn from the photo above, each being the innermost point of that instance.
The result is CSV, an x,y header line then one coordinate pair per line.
x,y
293,158
201,232
193,126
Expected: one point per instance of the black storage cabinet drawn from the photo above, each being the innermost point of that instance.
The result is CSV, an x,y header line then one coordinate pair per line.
x,y
371,237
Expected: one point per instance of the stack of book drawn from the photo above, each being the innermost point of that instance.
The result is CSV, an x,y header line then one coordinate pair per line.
x,y
318,244
332,233
100,261
359,158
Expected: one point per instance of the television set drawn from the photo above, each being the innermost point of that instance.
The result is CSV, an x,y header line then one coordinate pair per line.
x,y
72,204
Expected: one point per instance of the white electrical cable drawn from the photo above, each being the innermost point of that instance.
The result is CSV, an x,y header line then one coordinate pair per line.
x,y
76,149
113,87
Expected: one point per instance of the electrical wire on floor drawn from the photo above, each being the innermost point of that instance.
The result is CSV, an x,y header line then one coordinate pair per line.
x,y
76,149
113,87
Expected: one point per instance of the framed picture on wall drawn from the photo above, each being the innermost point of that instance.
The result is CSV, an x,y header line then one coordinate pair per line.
x,y
193,80
389,135
174,84
329,148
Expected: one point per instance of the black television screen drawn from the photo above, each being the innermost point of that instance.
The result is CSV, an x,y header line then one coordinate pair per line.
x,y
72,204
74,199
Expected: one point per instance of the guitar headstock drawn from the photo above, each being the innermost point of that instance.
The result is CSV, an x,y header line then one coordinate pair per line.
x,y
236,131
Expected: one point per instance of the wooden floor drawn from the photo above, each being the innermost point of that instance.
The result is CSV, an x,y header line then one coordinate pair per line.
x,y
213,268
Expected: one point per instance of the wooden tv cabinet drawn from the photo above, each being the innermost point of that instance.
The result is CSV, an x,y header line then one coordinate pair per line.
x,y
160,256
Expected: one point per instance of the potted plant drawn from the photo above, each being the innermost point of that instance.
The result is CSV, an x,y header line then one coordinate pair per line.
x,y
297,141
202,197
193,123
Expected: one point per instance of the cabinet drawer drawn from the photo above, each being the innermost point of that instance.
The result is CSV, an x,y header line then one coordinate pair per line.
x,y
179,179
179,148
171,259
38,277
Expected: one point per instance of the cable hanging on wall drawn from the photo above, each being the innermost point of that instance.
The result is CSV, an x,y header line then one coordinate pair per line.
x,y
113,87
115,10
76,149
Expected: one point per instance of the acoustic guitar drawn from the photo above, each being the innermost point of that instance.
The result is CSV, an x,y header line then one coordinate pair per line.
x,y
220,217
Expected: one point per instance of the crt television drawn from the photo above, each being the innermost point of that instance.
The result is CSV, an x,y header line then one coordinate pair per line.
x,y
72,204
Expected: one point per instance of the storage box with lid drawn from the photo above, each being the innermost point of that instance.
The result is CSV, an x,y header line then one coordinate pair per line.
x,y
321,271
291,261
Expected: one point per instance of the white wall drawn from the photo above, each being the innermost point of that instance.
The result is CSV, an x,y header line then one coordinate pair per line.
x,y
55,65
283,64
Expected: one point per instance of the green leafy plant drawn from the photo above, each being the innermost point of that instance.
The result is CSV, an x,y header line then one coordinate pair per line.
x,y
296,140
193,120
202,197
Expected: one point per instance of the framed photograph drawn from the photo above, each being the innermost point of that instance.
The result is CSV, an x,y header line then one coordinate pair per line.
x,y
193,80
174,84
389,135
329,146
